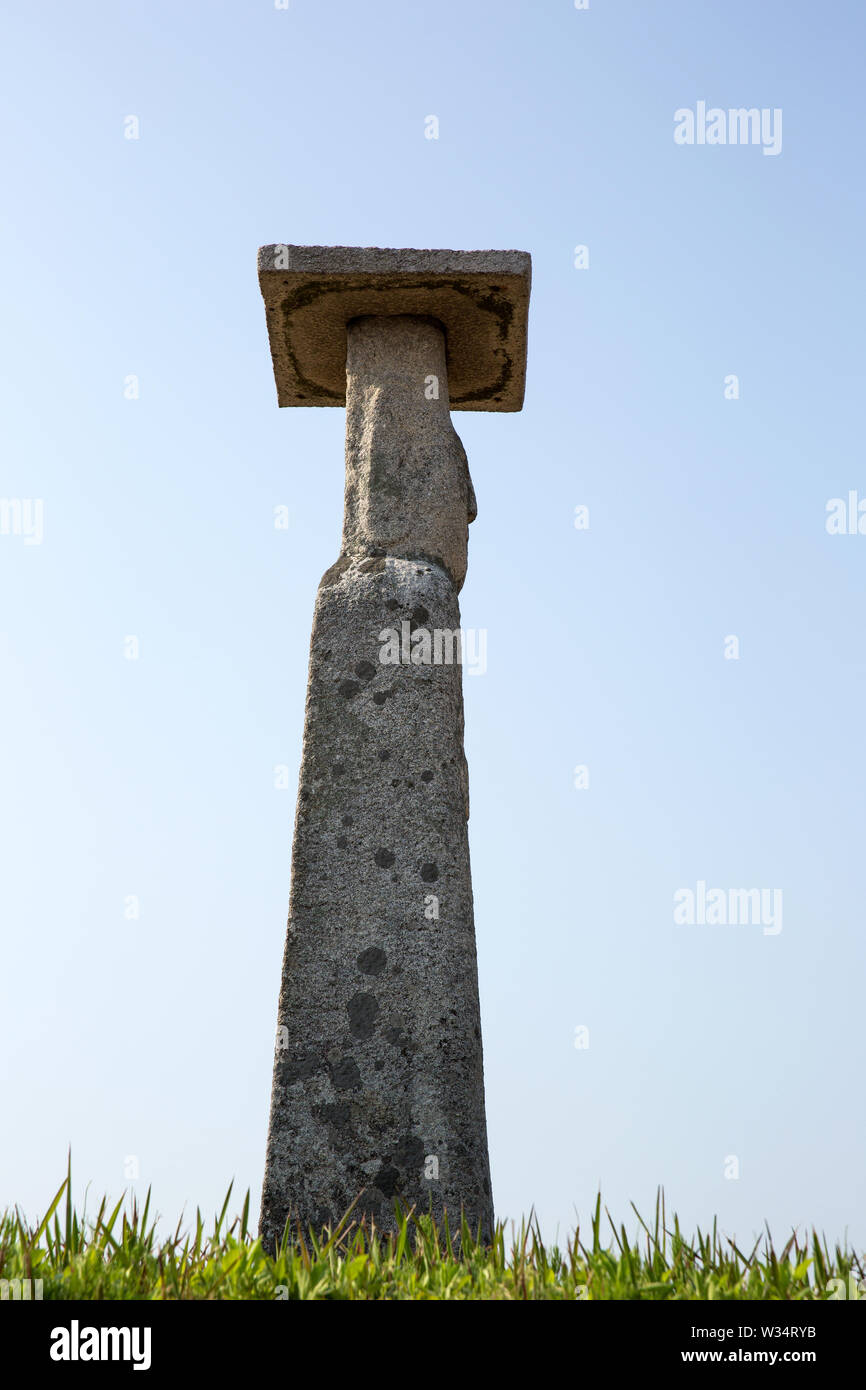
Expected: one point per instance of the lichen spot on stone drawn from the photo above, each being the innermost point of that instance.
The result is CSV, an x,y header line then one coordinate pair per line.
x,y
345,1074
409,1152
363,1010
384,858
429,872
372,961
387,1180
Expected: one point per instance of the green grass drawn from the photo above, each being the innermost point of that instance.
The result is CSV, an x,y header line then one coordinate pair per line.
x,y
117,1255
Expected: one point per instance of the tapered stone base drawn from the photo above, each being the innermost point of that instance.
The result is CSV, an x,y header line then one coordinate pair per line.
x,y
378,1082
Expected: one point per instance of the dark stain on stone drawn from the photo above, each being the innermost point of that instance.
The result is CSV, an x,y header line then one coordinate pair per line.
x,y
363,1010
299,1068
342,842
410,785
374,565
427,776
345,1074
387,1180
332,576
382,695
409,1152
349,689
337,1116
392,604
372,961
484,299
429,873
347,820
384,858
384,755
419,616
338,769
381,479
365,670
395,781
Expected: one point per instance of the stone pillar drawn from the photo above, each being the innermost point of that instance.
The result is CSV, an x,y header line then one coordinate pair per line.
x,y
378,1083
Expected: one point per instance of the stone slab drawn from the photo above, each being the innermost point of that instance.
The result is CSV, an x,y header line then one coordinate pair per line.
x,y
481,299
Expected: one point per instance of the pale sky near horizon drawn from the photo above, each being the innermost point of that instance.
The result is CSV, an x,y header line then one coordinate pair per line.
x,y
151,781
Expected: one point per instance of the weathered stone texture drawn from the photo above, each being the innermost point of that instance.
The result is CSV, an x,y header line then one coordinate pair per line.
x,y
384,1067
380,1084
408,490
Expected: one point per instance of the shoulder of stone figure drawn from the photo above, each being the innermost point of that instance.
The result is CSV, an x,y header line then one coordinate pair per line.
x,y
471,503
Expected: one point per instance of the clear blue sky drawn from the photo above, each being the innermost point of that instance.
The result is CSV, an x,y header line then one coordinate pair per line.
x,y
154,777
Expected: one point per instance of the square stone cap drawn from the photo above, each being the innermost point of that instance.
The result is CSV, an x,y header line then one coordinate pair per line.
x,y
481,299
